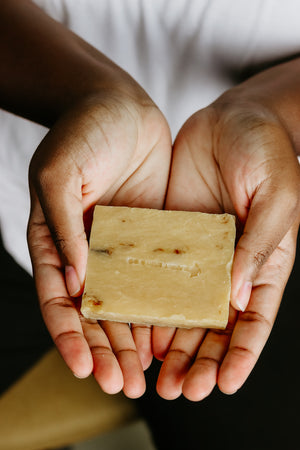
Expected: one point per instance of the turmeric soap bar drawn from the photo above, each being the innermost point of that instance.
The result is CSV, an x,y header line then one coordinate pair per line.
x,y
168,268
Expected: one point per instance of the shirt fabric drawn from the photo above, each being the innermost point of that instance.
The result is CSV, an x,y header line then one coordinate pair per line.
x,y
184,53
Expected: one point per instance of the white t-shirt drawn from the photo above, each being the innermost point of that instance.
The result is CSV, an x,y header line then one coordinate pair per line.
x,y
184,53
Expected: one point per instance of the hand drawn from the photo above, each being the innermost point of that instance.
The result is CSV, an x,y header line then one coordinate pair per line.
x,y
111,148
108,144
233,157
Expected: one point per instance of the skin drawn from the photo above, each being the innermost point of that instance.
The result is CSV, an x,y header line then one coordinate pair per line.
x,y
234,156
85,160
108,143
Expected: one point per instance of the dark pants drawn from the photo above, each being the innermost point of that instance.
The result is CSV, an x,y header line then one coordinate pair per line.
x,y
263,415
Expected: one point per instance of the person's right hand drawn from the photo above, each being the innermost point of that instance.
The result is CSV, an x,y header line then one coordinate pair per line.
x,y
112,148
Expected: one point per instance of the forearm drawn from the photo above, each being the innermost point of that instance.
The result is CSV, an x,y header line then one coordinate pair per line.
x,y
278,89
45,67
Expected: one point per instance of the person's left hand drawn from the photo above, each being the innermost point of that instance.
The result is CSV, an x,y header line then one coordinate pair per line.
x,y
236,158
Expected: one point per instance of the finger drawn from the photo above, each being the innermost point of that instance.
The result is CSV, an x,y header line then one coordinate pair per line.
x,y
58,309
178,361
274,208
142,338
123,346
202,377
62,320
250,335
254,325
106,371
161,340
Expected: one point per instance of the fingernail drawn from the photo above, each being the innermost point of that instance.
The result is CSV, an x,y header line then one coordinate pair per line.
x,y
80,377
244,295
72,281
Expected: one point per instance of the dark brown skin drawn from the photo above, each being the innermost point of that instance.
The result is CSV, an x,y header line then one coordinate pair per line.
x,y
110,144
237,156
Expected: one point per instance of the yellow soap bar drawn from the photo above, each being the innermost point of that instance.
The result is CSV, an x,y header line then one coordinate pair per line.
x,y
168,268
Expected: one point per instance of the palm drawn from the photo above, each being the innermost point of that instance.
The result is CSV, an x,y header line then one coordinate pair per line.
x,y
214,170
121,156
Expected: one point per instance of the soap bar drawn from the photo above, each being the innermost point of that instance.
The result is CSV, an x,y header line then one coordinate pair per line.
x,y
168,268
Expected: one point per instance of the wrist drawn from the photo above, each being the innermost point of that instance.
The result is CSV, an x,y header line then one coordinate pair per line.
x,y
273,94
48,68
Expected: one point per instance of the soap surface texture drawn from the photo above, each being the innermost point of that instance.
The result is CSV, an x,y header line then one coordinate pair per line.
x,y
168,268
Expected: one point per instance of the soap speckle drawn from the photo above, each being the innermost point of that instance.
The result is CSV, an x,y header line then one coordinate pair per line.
x,y
105,251
178,251
127,244
94,301
224,219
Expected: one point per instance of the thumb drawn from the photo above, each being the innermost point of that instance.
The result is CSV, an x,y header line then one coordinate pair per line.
x,y
271,215
59,195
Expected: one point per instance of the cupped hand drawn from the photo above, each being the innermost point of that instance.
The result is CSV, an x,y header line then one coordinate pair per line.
x,y
112,148
233,157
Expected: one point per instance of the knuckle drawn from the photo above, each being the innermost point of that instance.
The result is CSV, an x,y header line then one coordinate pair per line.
x,y
58,239
125,351
255,317
257,257
62,242
178,354
222,333
260,256
242,353
207,361
66,336
47,305
101,351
